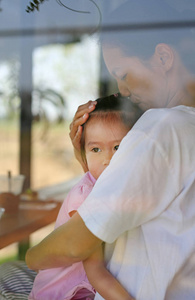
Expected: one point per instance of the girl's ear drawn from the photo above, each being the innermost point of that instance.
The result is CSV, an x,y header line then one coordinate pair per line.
x,y
165,55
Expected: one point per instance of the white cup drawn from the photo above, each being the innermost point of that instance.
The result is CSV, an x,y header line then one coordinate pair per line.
x,y
11,185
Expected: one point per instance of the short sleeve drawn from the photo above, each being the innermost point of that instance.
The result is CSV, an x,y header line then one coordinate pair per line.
x,y
75,198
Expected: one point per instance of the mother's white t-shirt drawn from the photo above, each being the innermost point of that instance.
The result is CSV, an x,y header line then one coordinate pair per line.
x,y
143,207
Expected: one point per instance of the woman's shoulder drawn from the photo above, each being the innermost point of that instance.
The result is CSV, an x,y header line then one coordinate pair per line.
x,y
163,118
160,124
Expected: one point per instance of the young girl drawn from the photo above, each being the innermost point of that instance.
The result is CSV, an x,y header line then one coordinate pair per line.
x,y
112,118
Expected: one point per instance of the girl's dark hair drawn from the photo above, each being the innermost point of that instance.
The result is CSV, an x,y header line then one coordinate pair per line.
x,y
112,108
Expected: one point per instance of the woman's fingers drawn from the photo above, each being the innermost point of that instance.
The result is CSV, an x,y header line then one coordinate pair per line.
x,y
85,108
76,138
76,123
80,117
77,148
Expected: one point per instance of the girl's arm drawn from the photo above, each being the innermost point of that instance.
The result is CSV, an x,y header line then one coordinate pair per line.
x,y
102,280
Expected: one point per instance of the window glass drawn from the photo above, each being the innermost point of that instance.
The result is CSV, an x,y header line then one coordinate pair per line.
x,y
49,65
51,61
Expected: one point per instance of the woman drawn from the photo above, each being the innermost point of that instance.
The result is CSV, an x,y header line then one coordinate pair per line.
x,y
154,65
153,221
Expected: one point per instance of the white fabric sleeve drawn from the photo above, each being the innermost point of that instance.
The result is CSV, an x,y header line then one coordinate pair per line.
x,y
136,187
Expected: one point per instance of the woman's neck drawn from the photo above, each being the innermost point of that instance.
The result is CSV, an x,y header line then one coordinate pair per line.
x,y
184,92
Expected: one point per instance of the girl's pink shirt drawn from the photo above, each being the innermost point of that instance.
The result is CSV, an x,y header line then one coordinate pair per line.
x,y
64,283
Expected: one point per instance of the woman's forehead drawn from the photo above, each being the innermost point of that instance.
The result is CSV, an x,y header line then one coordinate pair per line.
x,y
113,57
116,60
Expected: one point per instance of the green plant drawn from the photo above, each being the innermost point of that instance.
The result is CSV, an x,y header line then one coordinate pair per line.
x,y
56,100
35,5
10,99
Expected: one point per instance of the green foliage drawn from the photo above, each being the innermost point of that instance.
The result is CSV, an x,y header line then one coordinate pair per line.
x,y
8,259
58,103
52,97
9,91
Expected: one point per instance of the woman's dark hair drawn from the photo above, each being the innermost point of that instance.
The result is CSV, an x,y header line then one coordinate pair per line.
x,y
113,108
139,25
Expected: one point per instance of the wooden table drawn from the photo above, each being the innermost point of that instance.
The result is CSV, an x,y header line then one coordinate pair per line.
x,y
31,216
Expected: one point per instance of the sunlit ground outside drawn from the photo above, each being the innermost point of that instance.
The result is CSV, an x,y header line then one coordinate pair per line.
x,y
53,159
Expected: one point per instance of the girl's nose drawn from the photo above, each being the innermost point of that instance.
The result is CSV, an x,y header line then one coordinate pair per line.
x,y
107,158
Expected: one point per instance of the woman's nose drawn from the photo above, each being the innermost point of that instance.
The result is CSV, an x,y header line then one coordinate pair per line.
x,y
123,89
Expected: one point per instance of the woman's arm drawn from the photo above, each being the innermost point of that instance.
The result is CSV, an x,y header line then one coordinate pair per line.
x,y
102,280
69,243
79,119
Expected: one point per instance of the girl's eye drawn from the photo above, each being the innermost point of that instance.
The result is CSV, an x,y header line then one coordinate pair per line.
x,y
96,150
116,147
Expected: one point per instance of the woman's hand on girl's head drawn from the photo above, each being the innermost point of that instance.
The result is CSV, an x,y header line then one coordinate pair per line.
x,y
79,119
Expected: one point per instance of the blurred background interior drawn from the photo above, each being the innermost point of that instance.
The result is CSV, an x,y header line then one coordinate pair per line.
x,y
50,62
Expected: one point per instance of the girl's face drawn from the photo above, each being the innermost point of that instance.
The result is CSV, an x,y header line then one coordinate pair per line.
x,y
102,140
145,82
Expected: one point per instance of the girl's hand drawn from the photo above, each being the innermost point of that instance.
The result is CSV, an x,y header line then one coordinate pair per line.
x,y
80,117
